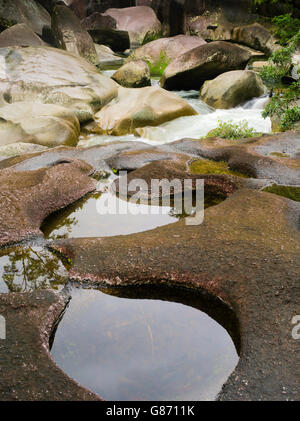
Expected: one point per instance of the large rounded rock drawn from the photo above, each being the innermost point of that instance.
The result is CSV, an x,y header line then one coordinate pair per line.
x,y
161,52
103,30
192,69
212,26
140,22
20,35
135,108
24,11
257,37
135,74
44,124
231,89
71,36
52,76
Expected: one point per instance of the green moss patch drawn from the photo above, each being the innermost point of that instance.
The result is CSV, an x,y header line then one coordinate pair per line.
x,y
280,155
289,192
206,166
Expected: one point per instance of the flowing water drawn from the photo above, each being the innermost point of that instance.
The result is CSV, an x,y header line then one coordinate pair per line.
x,y
192,126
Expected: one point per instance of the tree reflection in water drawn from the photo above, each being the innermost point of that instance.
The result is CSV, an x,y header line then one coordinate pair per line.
x,y
25,269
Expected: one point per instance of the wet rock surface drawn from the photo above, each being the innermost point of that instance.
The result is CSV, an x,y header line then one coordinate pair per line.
x,y
253,157
241,254
247,247
260,232
25,356
28,197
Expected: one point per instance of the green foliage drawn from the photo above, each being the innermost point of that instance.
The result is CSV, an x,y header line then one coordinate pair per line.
x,y
286,27
158,68
284,105
234,131
149,37
280,62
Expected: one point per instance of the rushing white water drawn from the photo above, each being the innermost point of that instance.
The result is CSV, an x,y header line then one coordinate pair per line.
x,y
194,126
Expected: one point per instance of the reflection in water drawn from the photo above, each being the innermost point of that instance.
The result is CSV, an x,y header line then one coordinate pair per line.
x,y
83,220
24,269
126,349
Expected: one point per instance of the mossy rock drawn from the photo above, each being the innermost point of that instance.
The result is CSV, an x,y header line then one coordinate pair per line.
x,y
289,192
206,166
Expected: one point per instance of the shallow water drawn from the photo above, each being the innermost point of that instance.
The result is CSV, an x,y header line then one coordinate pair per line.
x,y
193,126
143,349
28,268
93,217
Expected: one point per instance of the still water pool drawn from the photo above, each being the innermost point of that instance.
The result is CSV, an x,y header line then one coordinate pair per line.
x,y
143,349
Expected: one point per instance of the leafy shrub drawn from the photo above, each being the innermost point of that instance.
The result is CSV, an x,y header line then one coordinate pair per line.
x,y
280,62
284,106
286,27
234,131
158,68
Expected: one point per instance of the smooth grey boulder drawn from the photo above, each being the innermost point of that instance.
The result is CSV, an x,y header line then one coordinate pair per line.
x,y
52,76
192,69
232,89
160,52
140,22
20,35
135,74
256,36
44,124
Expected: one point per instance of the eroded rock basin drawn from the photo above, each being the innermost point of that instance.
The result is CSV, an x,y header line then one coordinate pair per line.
x,y
93,217
144,349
